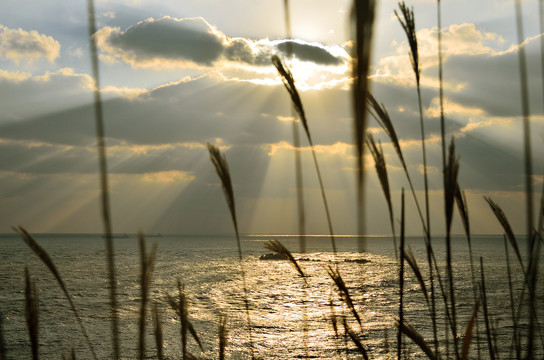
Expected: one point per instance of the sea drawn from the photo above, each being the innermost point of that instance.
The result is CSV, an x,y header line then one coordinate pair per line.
x,y
291,316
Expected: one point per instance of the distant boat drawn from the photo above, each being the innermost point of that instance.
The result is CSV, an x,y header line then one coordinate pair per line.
x,y
117,236
153,235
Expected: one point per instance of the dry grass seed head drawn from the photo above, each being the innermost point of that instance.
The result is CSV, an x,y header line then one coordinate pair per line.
x,y
409,27
279,248
503,220
289,83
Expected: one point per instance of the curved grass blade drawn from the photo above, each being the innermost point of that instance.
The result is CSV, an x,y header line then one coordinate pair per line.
x,y
277,247
503,220
381,170
353,336
343,291
468,332
411,260
48,262
417,338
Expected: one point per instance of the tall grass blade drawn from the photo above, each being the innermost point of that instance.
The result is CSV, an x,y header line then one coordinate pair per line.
x,y
105,200
417,338
31,313
362,21
467,339
528,161
223,333
289,82
157,331
44,256
147,262
488,330
401,278
3,349
222,169
333,317
515,336
381,170
503,220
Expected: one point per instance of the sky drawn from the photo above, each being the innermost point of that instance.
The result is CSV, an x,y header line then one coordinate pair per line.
x,y
175,76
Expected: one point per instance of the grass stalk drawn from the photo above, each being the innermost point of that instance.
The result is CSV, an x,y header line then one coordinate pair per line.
x,y
44,256
488,330
222,169
516,345
147,262
157,331
105,200
363,12
289,83
301,214
409,27
31,314
223,333
3,349
401,279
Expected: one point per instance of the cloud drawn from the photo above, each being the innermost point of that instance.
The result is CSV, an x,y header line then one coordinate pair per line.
x,y
457,40
168,177
172,43
18,44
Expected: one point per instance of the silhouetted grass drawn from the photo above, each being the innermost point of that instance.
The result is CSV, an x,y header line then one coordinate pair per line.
x,y
362,23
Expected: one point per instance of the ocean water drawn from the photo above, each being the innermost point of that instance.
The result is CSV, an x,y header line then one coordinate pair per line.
x,y
281,305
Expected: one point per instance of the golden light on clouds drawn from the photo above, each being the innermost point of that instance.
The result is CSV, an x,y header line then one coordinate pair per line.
x,y
168,177
18,44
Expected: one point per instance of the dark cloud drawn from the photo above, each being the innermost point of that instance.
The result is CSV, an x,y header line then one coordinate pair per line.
x,y
309,52
193,39
170,39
